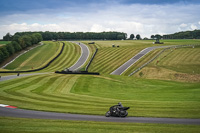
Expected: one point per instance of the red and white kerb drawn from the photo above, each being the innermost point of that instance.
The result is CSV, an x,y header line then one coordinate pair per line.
x,y
7,106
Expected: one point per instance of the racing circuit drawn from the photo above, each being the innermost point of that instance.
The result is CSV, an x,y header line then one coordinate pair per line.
x,y
22,113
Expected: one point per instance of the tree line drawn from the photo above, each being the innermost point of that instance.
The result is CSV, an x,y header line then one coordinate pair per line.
x,y
179,35
74,35
132,36
18,43
184,35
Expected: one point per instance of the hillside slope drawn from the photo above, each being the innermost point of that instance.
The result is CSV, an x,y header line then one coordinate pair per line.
x,y
182,64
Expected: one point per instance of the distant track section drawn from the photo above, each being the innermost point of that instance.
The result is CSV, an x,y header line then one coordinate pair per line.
x,y
134,59
82,60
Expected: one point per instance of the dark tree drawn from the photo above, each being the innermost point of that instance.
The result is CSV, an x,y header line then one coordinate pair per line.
x,y
39,37
120,37
184,35
7,37
34,39
157,36
20,41
16,38
132,36
1,56
16,46
5,52
10,49
138,37
152,36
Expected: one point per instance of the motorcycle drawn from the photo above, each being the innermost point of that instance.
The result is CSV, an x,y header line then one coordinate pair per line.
x,y
117,111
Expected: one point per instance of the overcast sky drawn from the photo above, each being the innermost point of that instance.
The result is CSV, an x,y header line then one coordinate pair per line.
x,y
144,17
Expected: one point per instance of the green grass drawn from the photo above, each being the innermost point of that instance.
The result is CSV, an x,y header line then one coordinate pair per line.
x,y
124,43
182,64
95,94
41,55
92,49
142,61
143,43
18,125
4,42
36,57
109,59
70,55
186,60
181,41
86,94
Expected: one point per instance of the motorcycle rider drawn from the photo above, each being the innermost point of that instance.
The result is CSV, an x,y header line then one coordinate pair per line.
x,y
120,106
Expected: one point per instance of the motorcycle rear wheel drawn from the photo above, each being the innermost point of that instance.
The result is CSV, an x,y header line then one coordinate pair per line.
x,y
123,115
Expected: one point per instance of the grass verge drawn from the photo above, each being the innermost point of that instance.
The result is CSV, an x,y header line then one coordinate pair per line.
x,y
18,125
95,94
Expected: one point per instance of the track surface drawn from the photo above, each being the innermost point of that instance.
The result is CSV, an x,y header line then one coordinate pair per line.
x,y
3,78
20,113
84,56
134,59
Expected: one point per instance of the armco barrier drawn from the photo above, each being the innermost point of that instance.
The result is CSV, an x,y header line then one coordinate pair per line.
x,y
86,69
177,46
34,70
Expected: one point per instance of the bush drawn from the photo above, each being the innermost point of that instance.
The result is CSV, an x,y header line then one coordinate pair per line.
x,y
16,46
10,49
4,53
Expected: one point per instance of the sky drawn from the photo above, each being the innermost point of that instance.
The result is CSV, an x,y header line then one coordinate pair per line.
x,y
144,17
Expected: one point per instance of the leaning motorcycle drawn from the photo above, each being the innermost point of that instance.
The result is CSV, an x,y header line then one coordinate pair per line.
x,y
117,111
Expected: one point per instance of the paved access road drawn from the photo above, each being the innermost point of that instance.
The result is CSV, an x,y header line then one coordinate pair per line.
x,y
84,56
134,59
20,113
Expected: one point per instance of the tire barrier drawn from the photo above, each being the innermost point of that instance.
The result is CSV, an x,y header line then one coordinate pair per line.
x,y
77,72
177,46
86,69
34,70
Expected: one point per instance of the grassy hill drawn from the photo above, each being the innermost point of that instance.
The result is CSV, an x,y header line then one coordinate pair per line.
x,y
36,57
152,92
182,64
95,94
40,56
70,55
108,58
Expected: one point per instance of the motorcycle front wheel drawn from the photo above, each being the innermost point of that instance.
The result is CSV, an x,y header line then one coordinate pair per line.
x,y
124,114
108,114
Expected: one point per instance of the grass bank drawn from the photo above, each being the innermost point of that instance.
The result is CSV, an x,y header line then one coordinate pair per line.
x,y
180,64
95,94
18,125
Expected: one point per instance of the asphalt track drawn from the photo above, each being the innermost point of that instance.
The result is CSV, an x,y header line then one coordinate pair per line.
x,y
84,56
134,59
20,113
3,78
